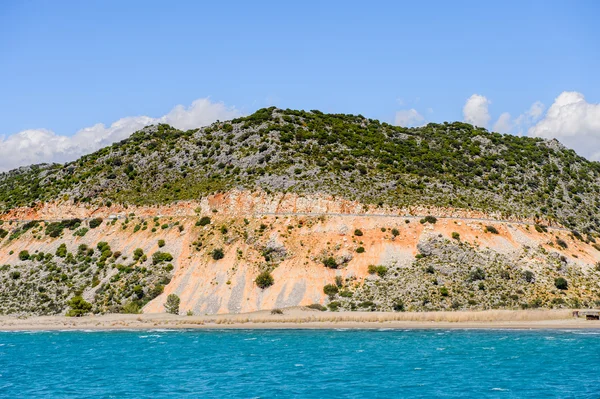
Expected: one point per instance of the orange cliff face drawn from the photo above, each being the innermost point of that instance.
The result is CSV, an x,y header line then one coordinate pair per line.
x,y
245,225
244,203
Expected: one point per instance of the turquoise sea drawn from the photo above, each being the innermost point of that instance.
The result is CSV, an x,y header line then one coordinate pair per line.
x,y
300,364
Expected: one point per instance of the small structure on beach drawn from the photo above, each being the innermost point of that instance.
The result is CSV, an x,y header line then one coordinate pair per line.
x,y
591,314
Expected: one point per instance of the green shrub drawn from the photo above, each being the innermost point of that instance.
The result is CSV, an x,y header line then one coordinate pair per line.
x,y
562,243
395,232
330,290
317,306
476,274
218,253
15,275
358,232
79,306
444,291
159,257
330,262
561,283
172,304
428,219
55,229
131,308
95,223
491,229
360,250
3,233
205,220
61,251
264,280
161,243
81,232
398,306
529,277
24,255
381,271
541,229
138,253
455,235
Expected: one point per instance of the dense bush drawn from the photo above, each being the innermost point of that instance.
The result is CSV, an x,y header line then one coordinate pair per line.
x,y
61,251
138,253
159,257
172,304
217,253
428,219
24,255
562,243
330,262
79,306
330,290
381,271
398,306
264,280
205,220
55,229
81,232
131,308
529,276
358,232
476,274
491,229
561,283
95,223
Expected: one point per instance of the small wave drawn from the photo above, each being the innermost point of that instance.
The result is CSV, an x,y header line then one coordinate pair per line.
x,y
499,389
249,339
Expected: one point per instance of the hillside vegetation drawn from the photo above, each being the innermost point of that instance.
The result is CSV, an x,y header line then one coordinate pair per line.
x,y
452,165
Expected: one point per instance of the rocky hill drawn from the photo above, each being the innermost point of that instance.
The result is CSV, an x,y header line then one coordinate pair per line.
x,y
452,165
286,208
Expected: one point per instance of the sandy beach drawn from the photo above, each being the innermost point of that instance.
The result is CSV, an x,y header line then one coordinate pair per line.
x,y
304,318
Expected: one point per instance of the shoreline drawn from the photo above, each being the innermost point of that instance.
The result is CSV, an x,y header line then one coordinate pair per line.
x,y
306,319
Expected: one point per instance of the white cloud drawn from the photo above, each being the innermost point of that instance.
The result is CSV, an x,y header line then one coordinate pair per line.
x,y
574,122
476,111
409,117
529,117
41,145
503,124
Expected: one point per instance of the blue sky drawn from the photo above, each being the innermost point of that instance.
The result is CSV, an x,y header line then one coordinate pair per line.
x,y
67,65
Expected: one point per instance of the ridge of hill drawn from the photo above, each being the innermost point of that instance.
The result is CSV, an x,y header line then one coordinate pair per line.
x,y
449,165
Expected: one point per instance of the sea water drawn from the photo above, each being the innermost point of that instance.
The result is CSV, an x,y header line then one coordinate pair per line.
x,y
300,364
